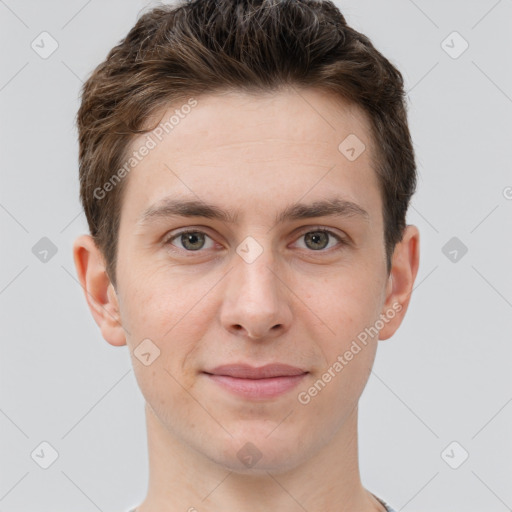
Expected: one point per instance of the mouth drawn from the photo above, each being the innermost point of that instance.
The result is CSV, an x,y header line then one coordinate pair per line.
x,y
261,383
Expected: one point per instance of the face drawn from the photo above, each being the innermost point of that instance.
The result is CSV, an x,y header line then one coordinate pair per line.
x,y
258,279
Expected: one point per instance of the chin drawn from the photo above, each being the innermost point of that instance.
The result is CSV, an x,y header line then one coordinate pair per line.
x,y
256,452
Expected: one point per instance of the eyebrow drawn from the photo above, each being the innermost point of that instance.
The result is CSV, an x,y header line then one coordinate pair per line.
x,y
170,207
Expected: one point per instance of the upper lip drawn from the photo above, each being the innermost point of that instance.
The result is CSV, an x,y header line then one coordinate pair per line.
x,y
244,371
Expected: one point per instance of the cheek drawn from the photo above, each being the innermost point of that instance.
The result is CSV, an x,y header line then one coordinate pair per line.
x,y
169,311
156,312
166,391
350,309
348,354
157,301
350,303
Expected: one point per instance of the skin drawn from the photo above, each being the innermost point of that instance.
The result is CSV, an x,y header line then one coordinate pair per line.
x,y
297,303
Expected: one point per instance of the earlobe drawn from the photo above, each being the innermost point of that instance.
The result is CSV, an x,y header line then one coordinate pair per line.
x,y
400,283
99,292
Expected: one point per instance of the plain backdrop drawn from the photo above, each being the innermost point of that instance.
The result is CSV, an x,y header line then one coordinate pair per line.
x,y
441,389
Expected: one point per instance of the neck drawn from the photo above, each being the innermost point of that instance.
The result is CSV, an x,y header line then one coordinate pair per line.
x,y
182,478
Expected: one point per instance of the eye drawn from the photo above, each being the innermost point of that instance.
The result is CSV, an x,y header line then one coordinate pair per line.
x,y
318,239
191,240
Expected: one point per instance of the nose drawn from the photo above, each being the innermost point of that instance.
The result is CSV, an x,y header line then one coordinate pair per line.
x,y
256,300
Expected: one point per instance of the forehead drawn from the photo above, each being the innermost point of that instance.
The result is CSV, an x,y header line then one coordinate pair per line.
x,y
310,116
245,147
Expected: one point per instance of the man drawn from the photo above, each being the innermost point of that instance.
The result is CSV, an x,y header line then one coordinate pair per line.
x,y
246,168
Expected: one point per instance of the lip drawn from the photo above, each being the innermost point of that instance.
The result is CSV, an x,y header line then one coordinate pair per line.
x,y
245,371
265,382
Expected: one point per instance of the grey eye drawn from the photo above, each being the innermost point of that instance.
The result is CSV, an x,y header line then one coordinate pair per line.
x,y
316,239
190,240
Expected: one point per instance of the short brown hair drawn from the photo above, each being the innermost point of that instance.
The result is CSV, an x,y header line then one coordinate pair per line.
x,y
203,46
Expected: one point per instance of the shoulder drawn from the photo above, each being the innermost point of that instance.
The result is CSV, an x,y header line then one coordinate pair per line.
x,y
386,506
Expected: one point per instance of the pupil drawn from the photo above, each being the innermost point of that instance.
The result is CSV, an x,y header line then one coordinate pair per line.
x,y
316,238
191,238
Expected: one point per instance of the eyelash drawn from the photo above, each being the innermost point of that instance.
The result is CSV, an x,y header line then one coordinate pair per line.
x,y
341,240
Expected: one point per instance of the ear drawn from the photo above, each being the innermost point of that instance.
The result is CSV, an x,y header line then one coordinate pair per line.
x,y
99,291
404,267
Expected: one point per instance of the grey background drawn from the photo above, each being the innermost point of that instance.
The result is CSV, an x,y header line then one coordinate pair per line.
x,y
444,377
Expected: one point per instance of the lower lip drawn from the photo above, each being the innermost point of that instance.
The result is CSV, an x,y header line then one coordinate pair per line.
x,y
258,388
